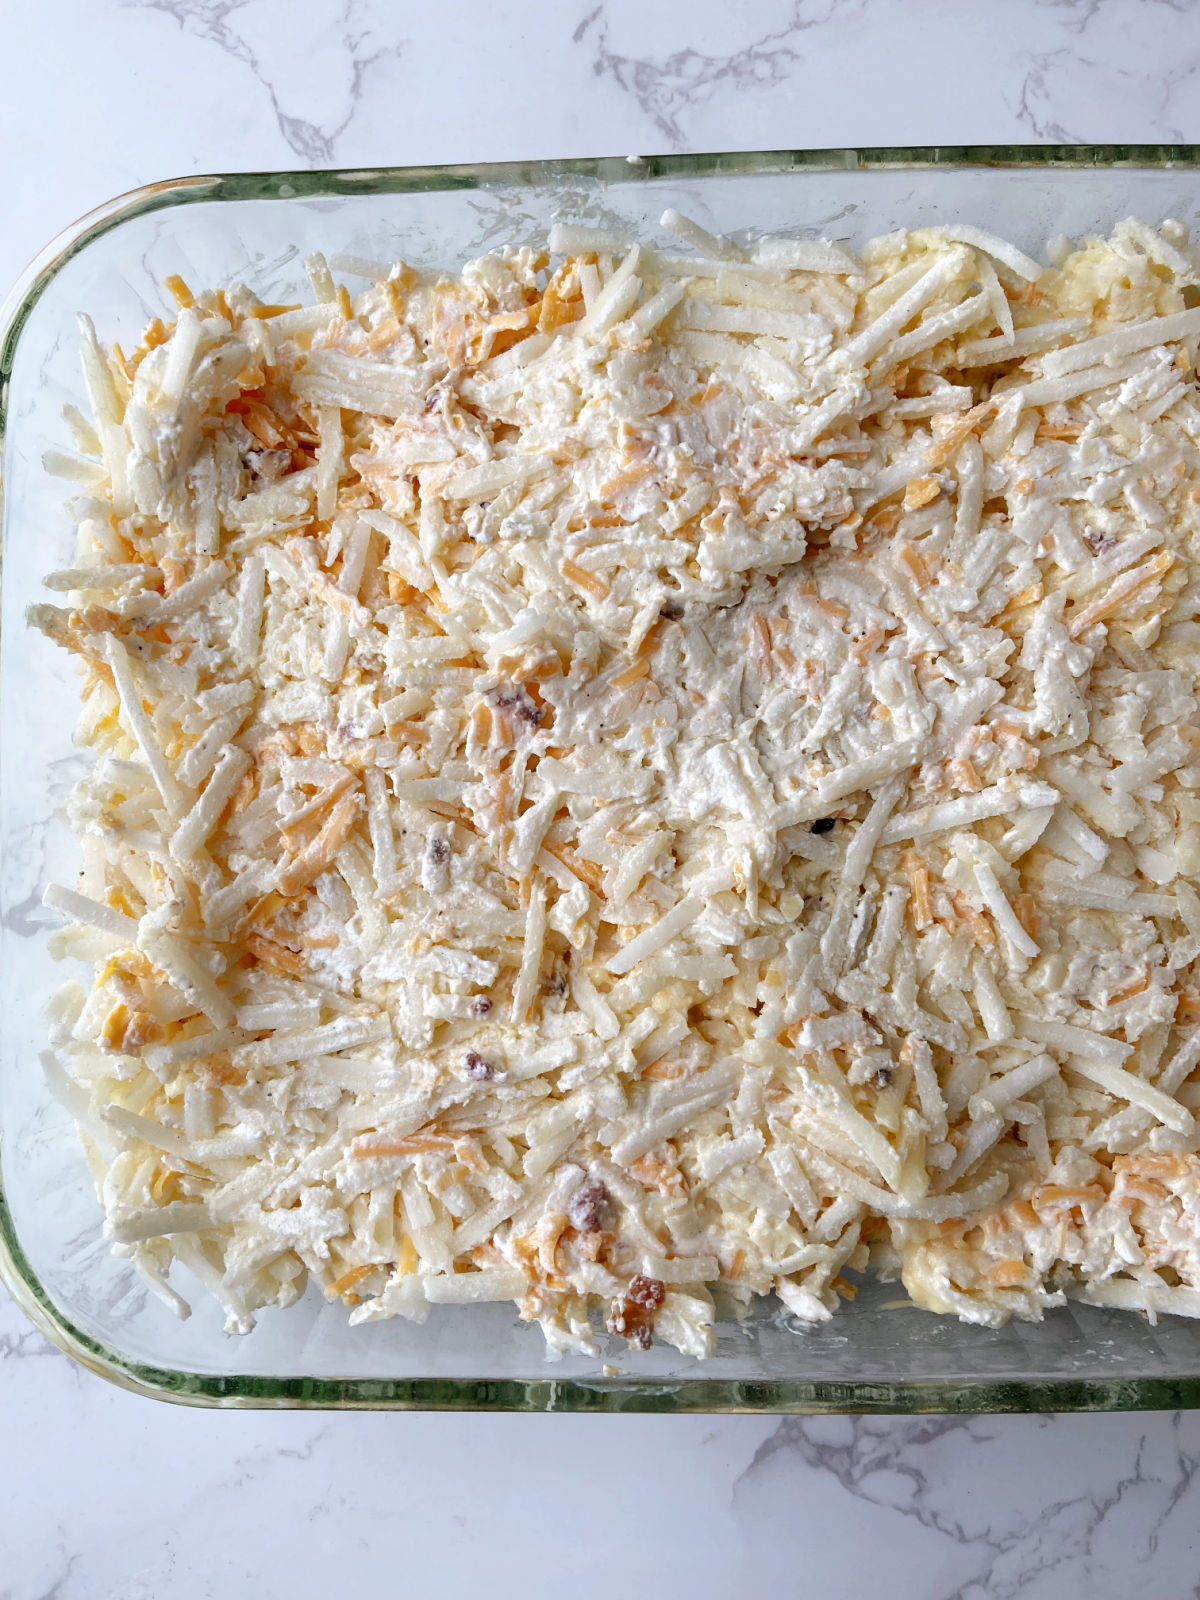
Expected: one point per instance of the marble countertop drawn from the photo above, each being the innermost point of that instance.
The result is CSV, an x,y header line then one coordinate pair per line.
x,y
112,1497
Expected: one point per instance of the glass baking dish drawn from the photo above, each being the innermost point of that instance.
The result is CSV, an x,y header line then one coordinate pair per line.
x,y
879,1354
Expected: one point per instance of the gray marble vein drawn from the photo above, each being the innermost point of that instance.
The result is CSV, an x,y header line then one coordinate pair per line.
x,y
1014,1510
667,86
345,43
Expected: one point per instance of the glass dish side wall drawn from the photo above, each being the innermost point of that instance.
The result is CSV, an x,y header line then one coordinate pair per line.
x,y
877,1354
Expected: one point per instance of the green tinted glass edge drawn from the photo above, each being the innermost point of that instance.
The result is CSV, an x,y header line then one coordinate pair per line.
x,y
548,1395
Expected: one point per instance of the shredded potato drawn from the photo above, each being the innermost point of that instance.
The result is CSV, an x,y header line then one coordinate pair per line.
x,y
626,778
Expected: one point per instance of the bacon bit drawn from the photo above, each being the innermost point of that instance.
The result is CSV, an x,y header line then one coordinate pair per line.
x,y
921,905
475,1066
278,957
911,561
591,1209
634,1315
1128,583
921,492
590,581
631,674
318,855
339,1286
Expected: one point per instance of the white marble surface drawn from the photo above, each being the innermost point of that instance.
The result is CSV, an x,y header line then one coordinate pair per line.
x,y
110,1497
